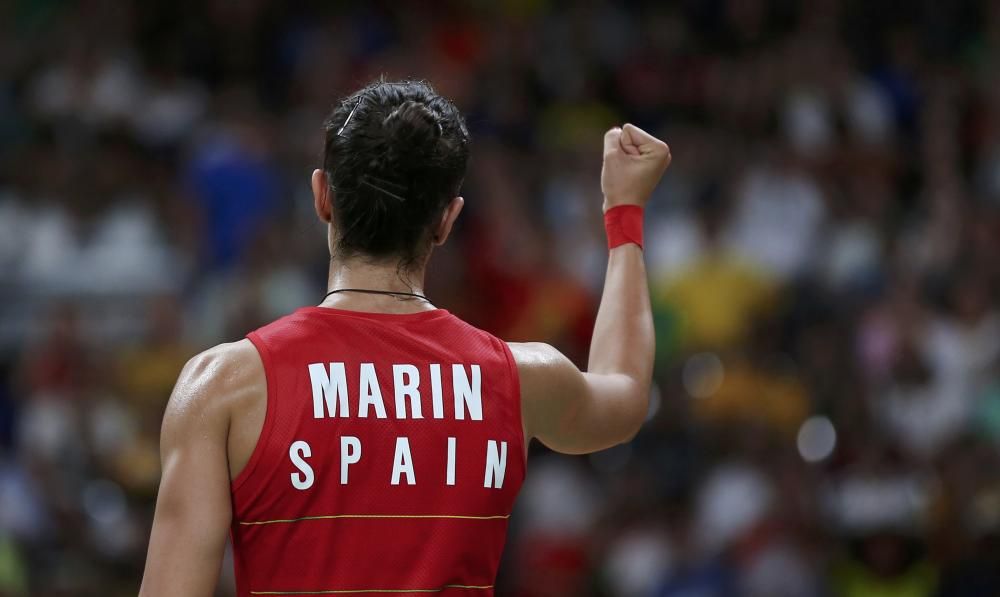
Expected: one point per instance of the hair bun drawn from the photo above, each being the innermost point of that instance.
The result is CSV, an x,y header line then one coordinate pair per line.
x,y
395,153
413,128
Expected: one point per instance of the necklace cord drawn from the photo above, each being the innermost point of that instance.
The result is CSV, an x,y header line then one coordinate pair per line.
x,y
383,292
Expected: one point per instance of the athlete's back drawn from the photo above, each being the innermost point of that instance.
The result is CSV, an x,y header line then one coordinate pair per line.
x,y
375,444
388,460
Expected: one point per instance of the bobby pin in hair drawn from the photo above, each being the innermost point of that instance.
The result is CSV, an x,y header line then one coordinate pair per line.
x,y
367,180
349,116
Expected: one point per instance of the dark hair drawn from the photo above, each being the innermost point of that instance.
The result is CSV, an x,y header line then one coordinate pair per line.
x,y
395,154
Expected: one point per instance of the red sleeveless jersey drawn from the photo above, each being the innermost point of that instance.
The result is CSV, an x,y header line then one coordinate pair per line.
x,y
389,461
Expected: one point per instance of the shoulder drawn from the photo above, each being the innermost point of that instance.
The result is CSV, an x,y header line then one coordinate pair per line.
x,y
216,383
533,356
542,369
550,384
223,366
289,327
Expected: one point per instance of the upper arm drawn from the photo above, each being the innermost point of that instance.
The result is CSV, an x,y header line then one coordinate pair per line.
x,y
193,509
571,411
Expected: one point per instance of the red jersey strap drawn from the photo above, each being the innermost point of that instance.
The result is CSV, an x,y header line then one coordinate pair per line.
x,y
269,415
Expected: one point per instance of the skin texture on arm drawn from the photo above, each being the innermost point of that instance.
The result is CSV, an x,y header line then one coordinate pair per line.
x,y
578,412
199,447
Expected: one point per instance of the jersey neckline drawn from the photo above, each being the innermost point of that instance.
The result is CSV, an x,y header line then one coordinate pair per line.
x,y
400,317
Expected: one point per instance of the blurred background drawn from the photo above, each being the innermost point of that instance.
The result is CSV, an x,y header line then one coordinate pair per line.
x,y
824,255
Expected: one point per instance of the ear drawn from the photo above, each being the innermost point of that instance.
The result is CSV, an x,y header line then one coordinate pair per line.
x,y
448,218
322,199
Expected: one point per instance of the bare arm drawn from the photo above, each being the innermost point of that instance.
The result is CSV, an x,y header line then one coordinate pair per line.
x,y
193,511
578,412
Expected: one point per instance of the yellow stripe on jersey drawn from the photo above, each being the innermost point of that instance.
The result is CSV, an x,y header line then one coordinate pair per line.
x,y
336,516
356,591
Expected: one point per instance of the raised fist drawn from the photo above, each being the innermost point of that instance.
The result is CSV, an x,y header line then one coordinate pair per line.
x,y
634,161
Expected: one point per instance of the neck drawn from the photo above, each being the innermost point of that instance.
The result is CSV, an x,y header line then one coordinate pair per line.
x,y
375,276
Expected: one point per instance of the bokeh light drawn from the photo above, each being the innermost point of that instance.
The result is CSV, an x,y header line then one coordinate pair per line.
x,y
816,439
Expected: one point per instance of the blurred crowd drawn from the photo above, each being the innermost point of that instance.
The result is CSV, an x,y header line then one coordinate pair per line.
x,y
824,255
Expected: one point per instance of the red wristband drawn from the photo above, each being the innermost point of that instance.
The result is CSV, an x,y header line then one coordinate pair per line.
x,y
623,225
